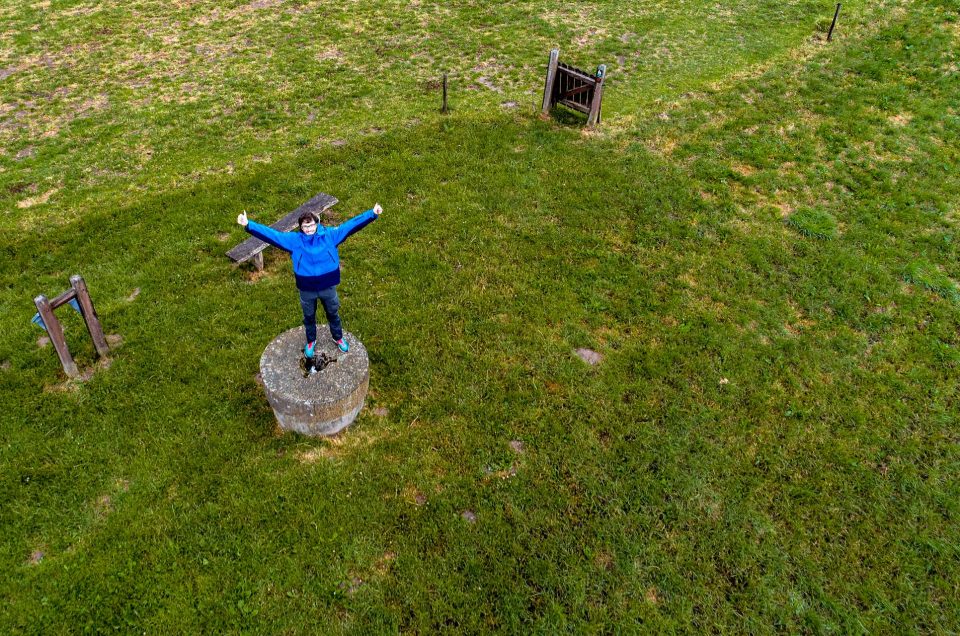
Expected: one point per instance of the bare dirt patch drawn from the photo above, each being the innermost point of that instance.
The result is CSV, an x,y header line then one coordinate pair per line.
x,y
589,356
73,385
37,200
487,83
314,455
348,441
901,119
332,53
591,35
102,365
663,146
256,275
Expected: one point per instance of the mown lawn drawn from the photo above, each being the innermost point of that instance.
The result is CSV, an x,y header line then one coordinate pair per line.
x,y
760,240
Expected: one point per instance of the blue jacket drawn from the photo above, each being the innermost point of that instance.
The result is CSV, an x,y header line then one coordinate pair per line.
x,y
316,262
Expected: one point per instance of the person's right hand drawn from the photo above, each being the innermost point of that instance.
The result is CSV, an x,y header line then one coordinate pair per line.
x,y
242,218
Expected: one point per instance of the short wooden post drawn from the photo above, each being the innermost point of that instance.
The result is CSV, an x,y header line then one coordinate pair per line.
x,y
551,78
258,261
836,15
594,116
89,315
56,335
443,108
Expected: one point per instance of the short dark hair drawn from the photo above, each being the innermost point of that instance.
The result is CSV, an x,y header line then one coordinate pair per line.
x,y
307,216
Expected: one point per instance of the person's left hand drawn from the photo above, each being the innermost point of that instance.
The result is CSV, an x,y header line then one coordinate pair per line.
x,y
377,209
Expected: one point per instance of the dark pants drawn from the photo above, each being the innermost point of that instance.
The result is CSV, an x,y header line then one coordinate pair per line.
x,y
331,304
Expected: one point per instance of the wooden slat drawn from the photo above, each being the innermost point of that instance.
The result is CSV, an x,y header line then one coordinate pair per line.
x,y
317,205
551,80
63,299
253,246
90,315
55,331
576,91
575,106
576,72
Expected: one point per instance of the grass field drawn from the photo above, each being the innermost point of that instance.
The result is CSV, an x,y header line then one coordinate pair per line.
x,y
761,240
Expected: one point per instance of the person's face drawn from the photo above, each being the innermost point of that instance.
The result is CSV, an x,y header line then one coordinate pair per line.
x,y
309,227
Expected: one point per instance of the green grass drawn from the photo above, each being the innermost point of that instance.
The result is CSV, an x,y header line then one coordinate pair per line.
x,y
924,273
814,223
770,443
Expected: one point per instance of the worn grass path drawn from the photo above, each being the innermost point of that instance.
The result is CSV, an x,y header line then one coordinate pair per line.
x,y
767,262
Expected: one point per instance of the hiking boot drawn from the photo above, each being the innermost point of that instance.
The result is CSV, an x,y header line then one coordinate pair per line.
x,y
342,343
308,349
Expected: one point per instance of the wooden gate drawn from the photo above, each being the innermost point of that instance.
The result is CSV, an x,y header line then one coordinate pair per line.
x,y
574,88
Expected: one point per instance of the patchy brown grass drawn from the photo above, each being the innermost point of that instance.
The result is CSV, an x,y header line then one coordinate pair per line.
x,y
37,200
901,119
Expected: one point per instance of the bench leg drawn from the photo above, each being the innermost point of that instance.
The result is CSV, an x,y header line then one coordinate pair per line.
x,y
55,332
90,315
258,261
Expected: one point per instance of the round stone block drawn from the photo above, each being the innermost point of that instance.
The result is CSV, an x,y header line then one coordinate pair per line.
x,y
325,402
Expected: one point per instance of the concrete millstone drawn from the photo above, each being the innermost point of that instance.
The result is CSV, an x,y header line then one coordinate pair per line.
x,y
325,402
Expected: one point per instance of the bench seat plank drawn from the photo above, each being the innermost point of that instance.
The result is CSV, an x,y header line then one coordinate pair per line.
x,y
253,246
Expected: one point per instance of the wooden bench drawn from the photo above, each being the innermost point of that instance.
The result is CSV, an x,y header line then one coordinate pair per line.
x,y
253,247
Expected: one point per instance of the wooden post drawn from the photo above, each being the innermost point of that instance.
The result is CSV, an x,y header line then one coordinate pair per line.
x,y
56,335
834,23
594,116
443,109
551,78
258,261
89,315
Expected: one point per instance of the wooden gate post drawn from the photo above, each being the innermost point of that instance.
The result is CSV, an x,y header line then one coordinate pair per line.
x,y
443,107
551,79
594,116
834,23
56,335
89,315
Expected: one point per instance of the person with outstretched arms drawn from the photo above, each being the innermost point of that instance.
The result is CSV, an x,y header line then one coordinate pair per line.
x,y
316,265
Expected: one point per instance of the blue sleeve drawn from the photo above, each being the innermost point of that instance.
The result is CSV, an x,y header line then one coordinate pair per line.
x,y
283,240
357,223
